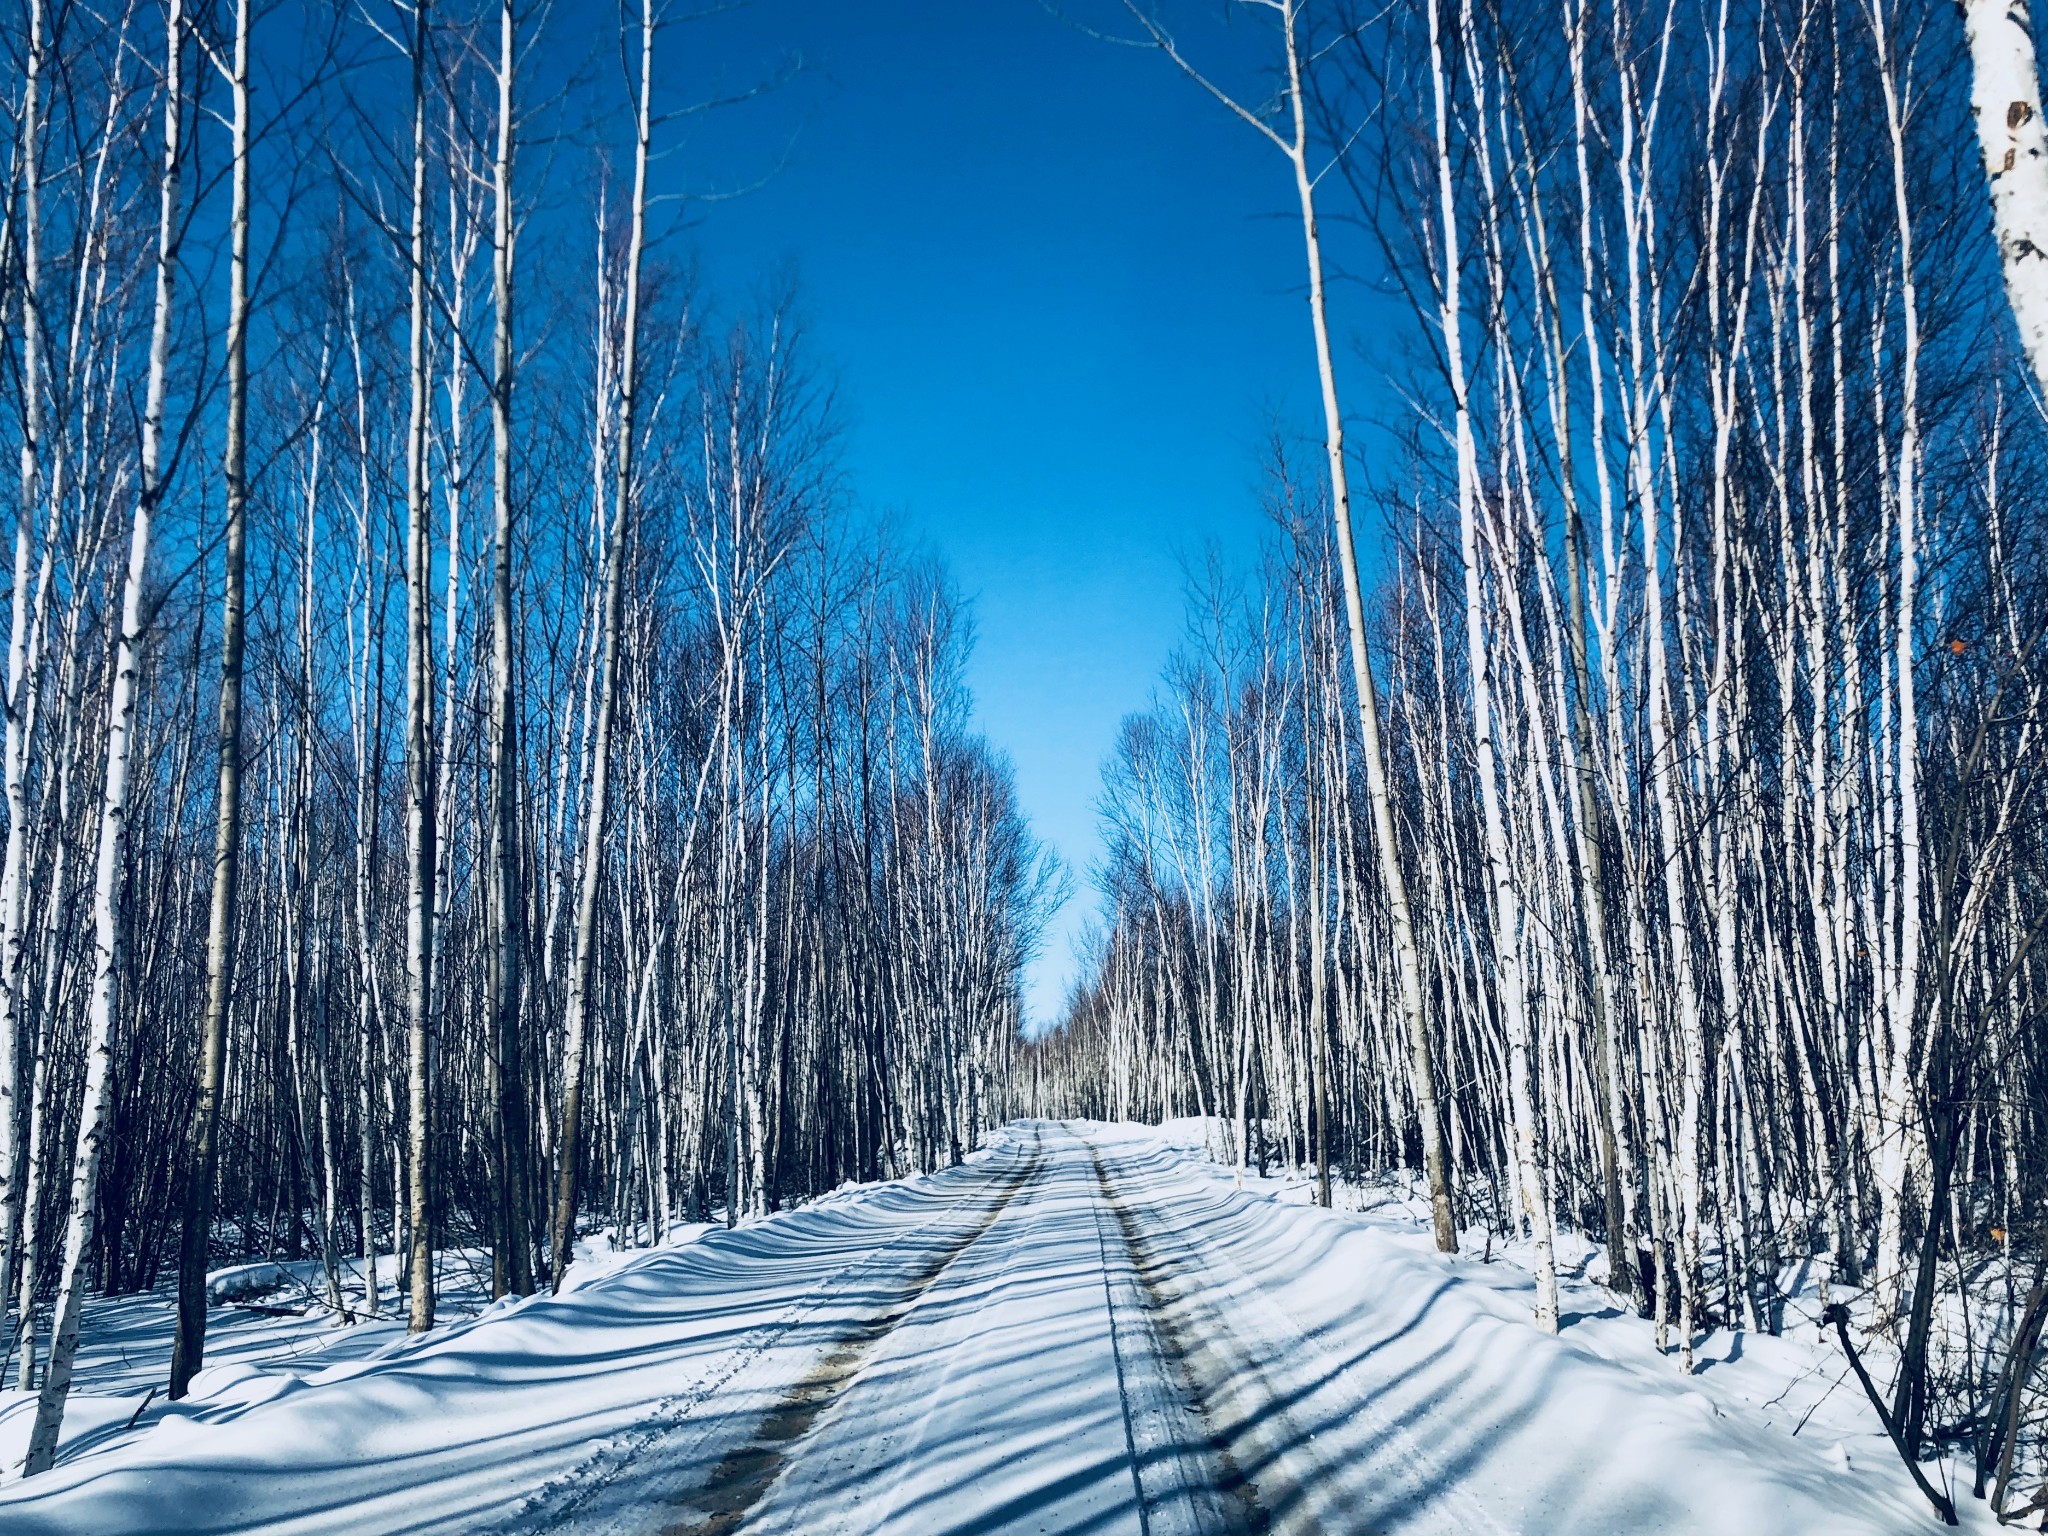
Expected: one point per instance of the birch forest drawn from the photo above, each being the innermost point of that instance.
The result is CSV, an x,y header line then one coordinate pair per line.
x,y
1680,877
480,782
468,769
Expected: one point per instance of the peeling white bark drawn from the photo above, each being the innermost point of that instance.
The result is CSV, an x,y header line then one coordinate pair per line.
x,y
2005,98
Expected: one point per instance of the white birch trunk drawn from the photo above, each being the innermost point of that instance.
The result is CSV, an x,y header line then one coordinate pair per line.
x,y
420,809
13,864
1505,903
109,916
2005,98
569,1143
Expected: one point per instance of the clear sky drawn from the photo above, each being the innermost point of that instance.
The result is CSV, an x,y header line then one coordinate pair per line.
x,y
1059,290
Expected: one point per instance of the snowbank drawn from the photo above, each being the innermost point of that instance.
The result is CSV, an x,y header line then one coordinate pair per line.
x,y
1592,1430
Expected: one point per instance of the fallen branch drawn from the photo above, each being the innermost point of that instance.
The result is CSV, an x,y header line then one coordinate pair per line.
x,y
1838,1314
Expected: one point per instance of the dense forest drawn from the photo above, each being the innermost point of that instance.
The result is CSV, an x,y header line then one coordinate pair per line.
x,y
469,767
1680,876
476,777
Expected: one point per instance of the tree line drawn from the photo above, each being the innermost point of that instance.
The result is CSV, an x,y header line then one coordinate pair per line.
x,y
470,775
1653,842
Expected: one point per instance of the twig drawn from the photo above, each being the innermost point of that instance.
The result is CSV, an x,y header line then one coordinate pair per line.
x,y
1817,1402
148,1398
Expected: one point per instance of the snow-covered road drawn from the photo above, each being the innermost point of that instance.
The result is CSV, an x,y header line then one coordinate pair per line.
x,y
1083,1330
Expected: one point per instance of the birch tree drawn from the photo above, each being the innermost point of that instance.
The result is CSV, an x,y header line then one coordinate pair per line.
x,y
1295,147
626,430
109,916
189,1342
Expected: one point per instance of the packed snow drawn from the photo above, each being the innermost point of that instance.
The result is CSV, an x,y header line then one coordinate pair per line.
x,y
1085,1328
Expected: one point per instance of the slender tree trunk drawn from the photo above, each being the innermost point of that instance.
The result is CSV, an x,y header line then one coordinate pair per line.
x,y
1898,1110
1505,904
507,905
366,719
420,809
188,1345
110,918
1587,822
1379,787
13,870
569,1147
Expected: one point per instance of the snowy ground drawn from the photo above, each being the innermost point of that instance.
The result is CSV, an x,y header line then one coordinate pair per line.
x,y
1798,1384
1086,1329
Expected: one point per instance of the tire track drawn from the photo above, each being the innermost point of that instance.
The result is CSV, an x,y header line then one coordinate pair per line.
x,y
743,1477
1289,1438
1123,1389
569,1496
1236,1509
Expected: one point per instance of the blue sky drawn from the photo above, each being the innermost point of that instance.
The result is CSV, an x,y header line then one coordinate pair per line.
x,y
1059,291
